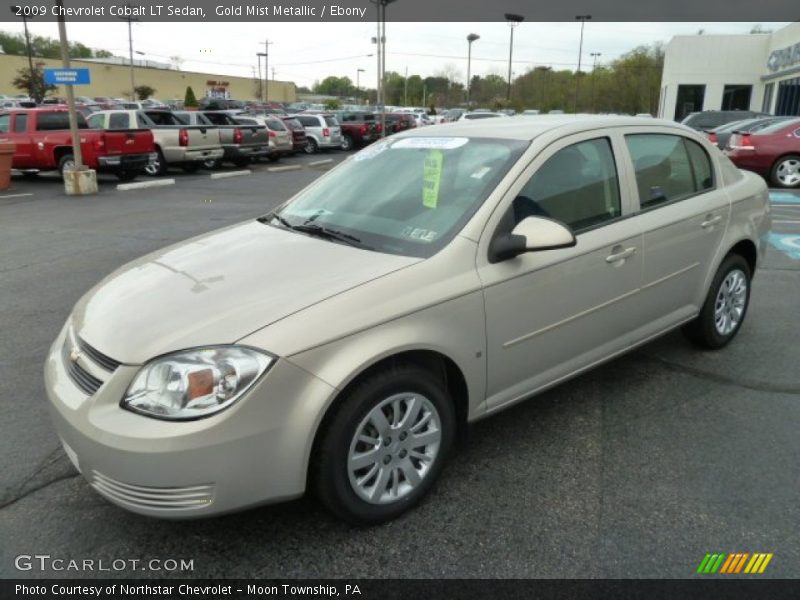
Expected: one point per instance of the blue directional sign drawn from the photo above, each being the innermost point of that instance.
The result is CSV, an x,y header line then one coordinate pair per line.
x,y
66,76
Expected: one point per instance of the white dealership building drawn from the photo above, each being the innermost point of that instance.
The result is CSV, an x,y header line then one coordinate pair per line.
x,y
759,72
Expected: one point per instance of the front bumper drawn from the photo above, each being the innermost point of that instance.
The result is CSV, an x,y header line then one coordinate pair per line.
x,y
255,452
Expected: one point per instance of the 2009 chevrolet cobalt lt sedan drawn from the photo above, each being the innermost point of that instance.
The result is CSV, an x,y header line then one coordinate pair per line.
x,y
339,342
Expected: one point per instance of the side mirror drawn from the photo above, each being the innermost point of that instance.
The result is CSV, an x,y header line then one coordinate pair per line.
x,y
529,235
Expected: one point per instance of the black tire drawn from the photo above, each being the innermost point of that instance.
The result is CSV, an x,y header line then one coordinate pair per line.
x,y
158,168
127,175
273,157
774,173
347,143
30,174
329,469
311,146
241,162
703,330
64,161
192,167
212,164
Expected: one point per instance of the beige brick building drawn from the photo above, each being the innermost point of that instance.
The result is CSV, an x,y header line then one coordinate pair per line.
x,y
170,84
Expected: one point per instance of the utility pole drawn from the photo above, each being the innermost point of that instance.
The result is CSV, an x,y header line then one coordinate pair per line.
x,y
265,54
470,38
594,55
512,20
405,89
582,19
29,52
130,20
260,81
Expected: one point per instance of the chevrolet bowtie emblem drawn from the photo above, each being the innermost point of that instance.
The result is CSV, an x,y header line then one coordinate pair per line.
x,y
74,355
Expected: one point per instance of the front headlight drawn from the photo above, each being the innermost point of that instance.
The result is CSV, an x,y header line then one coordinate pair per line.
x,y
194,383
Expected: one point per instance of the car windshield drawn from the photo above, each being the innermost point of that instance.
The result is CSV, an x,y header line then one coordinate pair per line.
x,y
408,196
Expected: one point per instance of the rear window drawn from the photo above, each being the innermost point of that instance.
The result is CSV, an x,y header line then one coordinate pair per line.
x,y
21,123
51,121
775,127
276,125
218,118
119,121
161,117
331,121
293,124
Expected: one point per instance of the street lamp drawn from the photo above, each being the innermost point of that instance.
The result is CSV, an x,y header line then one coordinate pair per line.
x,y
380,41
594,55
261,87
470,38
358,85
582,19
512,20
15,10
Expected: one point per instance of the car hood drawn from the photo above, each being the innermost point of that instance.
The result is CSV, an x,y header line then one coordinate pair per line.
x,y
218,288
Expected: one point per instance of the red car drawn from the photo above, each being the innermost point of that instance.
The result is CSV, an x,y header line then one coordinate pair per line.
x,y
299,137
772,152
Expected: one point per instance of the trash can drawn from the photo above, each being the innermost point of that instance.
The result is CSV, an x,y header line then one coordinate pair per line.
x,y
6,156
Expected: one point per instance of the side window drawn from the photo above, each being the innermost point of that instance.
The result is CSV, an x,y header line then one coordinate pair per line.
x,y
701,166
4,123
664,171
119,121
20,123
578,186
95,121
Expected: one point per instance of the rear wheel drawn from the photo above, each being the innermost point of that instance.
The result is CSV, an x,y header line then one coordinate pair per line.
x,y
786,172
725,307
158,166
241,162
347,143
212,163
385,445
274,157
311,146
192,167
66,162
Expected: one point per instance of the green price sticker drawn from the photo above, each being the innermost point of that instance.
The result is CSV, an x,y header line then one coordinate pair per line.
x,y
431,178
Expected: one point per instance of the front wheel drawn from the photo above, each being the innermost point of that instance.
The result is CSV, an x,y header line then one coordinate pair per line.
x,y
192,167
158,166
385,445
66,162
786,172
126,175
725,307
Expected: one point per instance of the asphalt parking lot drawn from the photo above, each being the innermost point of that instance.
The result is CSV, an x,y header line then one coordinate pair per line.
x,y
636,469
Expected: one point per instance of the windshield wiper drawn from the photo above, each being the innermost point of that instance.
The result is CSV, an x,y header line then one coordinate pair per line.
x,y
318,231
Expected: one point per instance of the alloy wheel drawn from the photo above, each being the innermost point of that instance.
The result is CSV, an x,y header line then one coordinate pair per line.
x,y
730,302
788,172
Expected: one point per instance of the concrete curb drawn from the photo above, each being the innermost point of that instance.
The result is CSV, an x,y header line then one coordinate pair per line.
x,y
286,168
124,187
231,174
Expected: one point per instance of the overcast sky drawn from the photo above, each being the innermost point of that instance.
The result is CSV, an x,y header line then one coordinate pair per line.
x,y
306,52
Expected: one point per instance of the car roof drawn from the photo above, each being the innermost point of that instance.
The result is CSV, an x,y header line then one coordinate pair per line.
x,y
524,127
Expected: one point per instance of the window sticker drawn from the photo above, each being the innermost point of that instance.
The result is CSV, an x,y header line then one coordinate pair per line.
x,y
480,172
431,178
417,233
442,143
370,152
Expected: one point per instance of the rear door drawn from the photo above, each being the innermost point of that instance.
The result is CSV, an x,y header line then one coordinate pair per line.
x,y
683,212
18,133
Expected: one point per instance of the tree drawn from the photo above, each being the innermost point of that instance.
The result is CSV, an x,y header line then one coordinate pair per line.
x,y
45,47
332,104
143,92
335,86
33,82
189,100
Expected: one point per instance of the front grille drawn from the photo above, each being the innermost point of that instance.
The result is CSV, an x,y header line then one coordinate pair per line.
x,y
106,362
87,382
153,498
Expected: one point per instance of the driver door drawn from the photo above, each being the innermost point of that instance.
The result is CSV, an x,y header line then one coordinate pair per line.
x,y
551,313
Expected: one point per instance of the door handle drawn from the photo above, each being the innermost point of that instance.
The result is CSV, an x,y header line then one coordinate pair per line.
x,y
622,255
710,221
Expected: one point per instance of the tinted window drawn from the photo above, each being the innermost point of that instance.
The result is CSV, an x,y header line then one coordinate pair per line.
x,y
578,186
217,118
4,123
331,121
162,118
143,121
276,125
50,121
20,123
701,166
309,121
244,121
119,121
664,171
775,127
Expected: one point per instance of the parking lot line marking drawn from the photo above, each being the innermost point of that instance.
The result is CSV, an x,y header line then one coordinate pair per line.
x,y
124,187
231,174
15,195
316,163
786,221
777,205
286,168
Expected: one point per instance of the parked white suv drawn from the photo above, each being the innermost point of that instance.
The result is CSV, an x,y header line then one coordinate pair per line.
x,y
322,130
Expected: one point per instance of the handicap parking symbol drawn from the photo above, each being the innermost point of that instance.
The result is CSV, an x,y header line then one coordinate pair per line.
x,y
788,243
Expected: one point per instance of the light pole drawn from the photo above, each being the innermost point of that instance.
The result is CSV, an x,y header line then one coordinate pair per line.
x,y
582,19
265,54
594,55
358,83
470,38
380,41
260,81
28,48
130,20
512,20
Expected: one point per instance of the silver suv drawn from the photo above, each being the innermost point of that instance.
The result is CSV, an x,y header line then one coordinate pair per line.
x,y
323,131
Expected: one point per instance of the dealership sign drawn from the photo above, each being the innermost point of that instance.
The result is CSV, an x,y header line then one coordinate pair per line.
x,y
785,57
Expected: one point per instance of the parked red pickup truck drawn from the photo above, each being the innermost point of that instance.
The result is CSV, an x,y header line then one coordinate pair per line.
x,y
43,143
